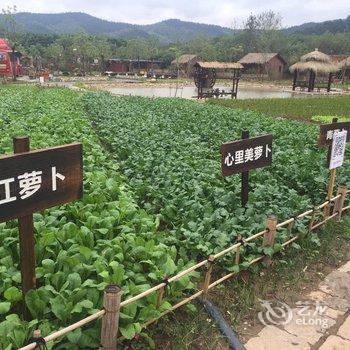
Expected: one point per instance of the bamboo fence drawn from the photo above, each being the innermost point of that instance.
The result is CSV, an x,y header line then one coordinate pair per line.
x,y
112,304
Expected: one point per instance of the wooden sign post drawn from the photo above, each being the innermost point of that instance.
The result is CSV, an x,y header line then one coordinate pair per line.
x,y
32,181
245,177
325,140
244,155
26,233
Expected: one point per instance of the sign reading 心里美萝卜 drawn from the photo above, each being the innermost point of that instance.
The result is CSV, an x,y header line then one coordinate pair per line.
x,y
327,131
246,154
338,149
37,180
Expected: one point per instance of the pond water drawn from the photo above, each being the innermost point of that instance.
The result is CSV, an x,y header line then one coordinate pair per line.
x,y
190,92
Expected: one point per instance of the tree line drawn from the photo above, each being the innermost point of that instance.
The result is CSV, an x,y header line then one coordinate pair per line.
x,y
260,33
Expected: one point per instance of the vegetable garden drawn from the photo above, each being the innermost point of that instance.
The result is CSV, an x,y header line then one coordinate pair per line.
x,y
154,203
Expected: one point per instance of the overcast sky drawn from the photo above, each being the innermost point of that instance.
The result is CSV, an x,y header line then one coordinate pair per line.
x,y
220,12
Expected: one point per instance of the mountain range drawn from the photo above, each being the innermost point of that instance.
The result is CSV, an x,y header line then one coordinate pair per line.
x,y
170,30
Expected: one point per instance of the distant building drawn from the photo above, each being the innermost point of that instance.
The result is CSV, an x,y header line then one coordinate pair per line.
x,y
185,64
272,65
8,58
136,66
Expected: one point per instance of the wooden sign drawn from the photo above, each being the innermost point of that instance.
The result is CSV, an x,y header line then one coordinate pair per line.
x,y
246,154
31,181
327,131
37,180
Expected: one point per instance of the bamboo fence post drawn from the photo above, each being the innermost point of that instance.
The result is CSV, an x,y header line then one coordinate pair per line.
x,y
238,251
161,293
331,182
339,204
290,227
110,320
36,336
269,236
208,275
312,220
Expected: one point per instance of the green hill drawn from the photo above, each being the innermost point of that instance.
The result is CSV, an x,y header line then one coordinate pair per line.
x,y
65,23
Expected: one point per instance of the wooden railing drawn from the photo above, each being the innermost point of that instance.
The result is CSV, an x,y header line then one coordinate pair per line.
x,y
112,295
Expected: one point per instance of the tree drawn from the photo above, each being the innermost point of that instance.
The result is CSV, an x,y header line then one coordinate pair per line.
x,y
54,53
11,30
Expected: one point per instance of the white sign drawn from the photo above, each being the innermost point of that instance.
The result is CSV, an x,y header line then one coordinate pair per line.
x,y
246,155
28,184
338,149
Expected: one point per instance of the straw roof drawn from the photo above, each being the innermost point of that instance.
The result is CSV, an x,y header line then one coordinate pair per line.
x,y
316,56
317,67
259,57
316,61
338,58
183,59
220,65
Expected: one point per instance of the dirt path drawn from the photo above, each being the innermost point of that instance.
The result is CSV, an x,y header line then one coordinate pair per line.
x,y
320,321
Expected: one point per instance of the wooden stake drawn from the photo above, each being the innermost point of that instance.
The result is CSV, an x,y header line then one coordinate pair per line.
x,y
269,236
312,220
110,320
160,297
238,251
208,275
339,204
26,236
295,79
161,293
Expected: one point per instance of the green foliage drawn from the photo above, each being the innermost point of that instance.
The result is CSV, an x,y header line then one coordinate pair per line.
x,y
327,119
304,108
169,150
151,207
81,247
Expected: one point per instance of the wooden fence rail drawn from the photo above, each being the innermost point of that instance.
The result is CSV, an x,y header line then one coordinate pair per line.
x,y
112,304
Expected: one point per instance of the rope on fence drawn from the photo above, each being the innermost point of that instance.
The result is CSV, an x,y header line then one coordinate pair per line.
x,y
207,285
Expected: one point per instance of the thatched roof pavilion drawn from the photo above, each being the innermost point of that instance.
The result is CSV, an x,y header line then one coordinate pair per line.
x,y
313,63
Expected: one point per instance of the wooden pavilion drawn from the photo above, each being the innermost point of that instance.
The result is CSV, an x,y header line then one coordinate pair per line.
x,y
313,71
206,73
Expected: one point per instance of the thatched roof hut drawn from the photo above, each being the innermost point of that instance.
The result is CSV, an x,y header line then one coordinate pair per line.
x,y
185,64
184,59
313,63
260,63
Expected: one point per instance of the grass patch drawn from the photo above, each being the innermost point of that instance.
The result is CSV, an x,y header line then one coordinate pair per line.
x,y
327,119
238,299
301,108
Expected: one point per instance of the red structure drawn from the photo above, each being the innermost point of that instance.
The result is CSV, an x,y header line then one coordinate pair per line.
x,y
8,58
